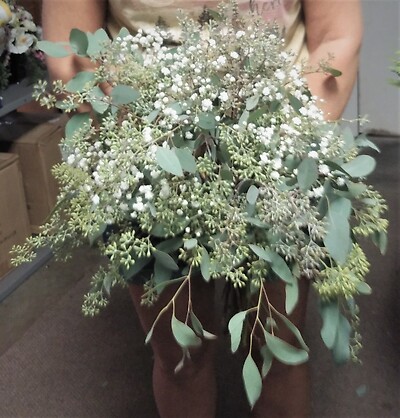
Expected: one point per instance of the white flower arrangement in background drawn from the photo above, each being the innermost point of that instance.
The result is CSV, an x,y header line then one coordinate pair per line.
x,y
18,37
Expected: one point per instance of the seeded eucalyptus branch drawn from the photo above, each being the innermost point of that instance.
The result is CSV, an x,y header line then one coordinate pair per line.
x,y
211,160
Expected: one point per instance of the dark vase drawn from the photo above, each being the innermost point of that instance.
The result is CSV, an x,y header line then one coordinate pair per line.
x,y
17,67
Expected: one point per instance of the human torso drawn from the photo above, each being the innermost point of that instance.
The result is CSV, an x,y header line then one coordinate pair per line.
x,y
145,14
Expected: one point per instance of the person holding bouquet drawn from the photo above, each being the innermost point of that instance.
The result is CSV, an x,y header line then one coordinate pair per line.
x,y
314,30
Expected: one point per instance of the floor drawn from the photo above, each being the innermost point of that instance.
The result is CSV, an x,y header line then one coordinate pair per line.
x,y
56,363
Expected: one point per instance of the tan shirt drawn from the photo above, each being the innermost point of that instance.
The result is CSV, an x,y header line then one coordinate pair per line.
x,y
144,14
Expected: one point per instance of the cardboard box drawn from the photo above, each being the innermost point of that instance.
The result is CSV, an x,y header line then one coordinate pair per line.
x,y
38,151
14,222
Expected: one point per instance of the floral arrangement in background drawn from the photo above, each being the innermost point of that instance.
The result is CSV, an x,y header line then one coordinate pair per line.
x,y
19,35
211,160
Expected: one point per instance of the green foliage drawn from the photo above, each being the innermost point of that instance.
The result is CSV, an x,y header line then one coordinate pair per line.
x,y
212,161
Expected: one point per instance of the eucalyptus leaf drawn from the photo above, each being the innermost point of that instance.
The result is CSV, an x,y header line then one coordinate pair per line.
x,y
166,260
348,139
196,324
292,296
79,42
295,103
198,328
97,100
244,118
252,102
82,81
332,71
152,116
168,161
181,363
252,194
54,49
330,322
363,288
205,265
380,240
284,352
170,245
295,331
341,348
139,265
252,380
256,222
97,41
267,357
261,253
150,333
361,166
107,283
76,122
190,244
307,173
364,142
235,327
123,33
207,121
186,159
161,275
280,268
183,334
122,95
356,189
337,239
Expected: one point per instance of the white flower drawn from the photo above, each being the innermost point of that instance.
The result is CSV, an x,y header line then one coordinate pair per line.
x,y
340,181
147,134
275,175
138,206
324,169
234,55
165,71
318,191
71,159
264,159
280,74
206,105
95,199
313,154
221,60
20,41
223,96
266,91
276,163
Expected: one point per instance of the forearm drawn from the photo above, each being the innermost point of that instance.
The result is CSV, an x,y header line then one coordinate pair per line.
x,y
333,27
58,18
334,92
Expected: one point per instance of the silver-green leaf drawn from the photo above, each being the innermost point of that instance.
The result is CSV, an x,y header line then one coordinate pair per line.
x,y
285,352
235,327
168,161
183,334
252,380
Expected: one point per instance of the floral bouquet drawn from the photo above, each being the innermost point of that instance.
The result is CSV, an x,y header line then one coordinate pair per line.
x,y
18,38
210,160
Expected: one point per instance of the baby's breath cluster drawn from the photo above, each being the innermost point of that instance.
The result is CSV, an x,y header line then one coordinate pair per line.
x,y
211,158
